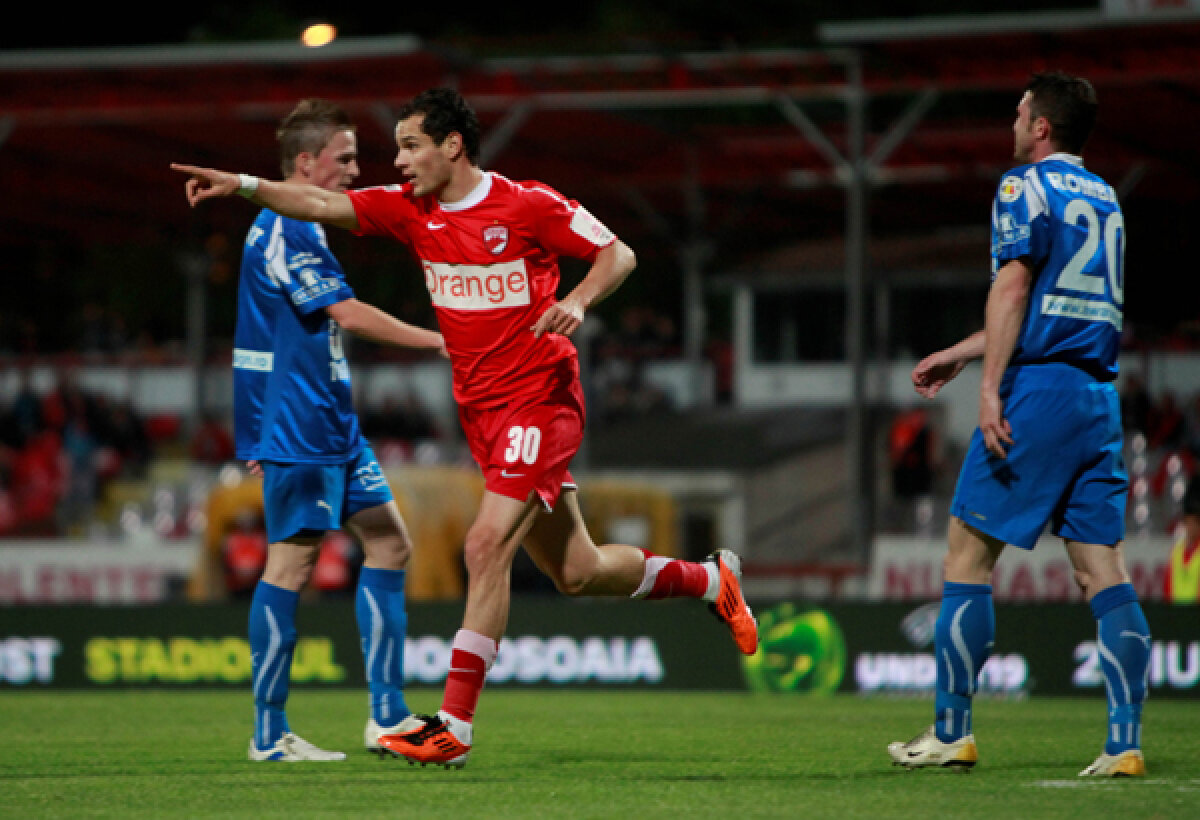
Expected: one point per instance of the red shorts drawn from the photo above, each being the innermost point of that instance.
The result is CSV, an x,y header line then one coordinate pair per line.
x,y
527,445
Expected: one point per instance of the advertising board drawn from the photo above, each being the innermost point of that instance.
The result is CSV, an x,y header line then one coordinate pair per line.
x,y
870,649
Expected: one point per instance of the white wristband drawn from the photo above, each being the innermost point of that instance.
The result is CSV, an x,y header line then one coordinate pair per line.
x,y
247,185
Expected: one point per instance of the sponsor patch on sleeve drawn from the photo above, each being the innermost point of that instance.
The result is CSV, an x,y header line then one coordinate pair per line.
x,y
590,228
1008,232
1011,188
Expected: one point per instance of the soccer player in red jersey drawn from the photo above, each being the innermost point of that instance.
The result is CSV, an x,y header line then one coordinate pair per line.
x,y
489,248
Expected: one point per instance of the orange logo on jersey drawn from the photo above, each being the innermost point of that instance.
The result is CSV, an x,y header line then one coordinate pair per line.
x,y
495,238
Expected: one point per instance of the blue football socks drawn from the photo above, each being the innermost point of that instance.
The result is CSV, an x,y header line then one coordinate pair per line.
x,y
1123,640
272,633
382,624
963,639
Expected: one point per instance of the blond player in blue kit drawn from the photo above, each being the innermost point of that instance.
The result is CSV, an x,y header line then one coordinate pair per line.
x,y
295,423
1048,449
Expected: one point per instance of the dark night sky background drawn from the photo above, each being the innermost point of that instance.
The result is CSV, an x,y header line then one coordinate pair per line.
x,y
491,27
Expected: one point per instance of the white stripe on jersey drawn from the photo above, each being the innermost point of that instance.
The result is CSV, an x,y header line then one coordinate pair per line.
x,y
276,255
1035,195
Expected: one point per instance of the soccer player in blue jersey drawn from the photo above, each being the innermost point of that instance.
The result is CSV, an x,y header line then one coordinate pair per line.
x,y
295,425
1048,449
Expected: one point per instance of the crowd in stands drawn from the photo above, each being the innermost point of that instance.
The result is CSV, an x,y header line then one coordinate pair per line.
x,y
61,447
1167,436
57,450
1166,424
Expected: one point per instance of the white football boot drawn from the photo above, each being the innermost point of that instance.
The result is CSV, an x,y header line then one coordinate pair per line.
x,y
926,750
373,731
1128,763
291,749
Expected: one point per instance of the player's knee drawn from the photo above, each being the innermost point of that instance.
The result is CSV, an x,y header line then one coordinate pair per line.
x,y
572,581
391,551
963,568
293,574
1090,582
483,549
581,570
570,588
970,556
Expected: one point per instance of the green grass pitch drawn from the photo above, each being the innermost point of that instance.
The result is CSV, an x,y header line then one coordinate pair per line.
x,y
582,754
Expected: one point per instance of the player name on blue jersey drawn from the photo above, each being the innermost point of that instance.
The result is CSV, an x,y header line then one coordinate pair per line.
x,y
1075,184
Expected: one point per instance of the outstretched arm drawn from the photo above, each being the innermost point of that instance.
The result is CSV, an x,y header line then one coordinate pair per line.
x,y
613,264
294,199
371,323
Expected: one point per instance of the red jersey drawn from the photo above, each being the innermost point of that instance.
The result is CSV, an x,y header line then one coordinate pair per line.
x,y
491,267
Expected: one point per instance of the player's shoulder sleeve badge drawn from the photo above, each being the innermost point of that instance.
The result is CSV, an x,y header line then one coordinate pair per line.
x,y
1010,188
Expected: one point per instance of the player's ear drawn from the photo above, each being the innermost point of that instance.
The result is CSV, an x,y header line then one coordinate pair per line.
x,y
304,163
1042,129
452,145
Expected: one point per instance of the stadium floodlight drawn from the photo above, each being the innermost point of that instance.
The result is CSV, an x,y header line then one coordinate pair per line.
x,y
318,34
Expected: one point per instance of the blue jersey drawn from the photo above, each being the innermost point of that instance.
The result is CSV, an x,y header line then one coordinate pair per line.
x,y
292,400
1066,223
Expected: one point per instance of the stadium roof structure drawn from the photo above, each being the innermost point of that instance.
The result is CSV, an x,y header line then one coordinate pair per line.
x,y
747,150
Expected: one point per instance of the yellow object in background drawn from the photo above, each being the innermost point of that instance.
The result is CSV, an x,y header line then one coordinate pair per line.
x,y
438,505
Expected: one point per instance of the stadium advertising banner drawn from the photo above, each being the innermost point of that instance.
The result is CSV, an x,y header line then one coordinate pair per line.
x,y
871,649
550,642
76,571
887,649
907,568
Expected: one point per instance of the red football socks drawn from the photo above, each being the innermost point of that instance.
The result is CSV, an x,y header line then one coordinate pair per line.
x,y
470,659
671,578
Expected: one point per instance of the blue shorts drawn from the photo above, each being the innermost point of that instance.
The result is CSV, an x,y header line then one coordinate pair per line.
x,y
320,497
1065,466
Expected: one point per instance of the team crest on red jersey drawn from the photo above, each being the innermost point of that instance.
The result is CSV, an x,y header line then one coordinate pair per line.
x,y
495,238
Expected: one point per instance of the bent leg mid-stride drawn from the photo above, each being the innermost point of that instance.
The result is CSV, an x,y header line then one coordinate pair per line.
x,y
559,544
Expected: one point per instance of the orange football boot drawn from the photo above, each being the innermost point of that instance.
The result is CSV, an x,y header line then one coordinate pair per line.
x,y
432,742
730,607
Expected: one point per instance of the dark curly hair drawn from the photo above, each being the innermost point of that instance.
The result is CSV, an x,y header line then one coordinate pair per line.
x,y
446,113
